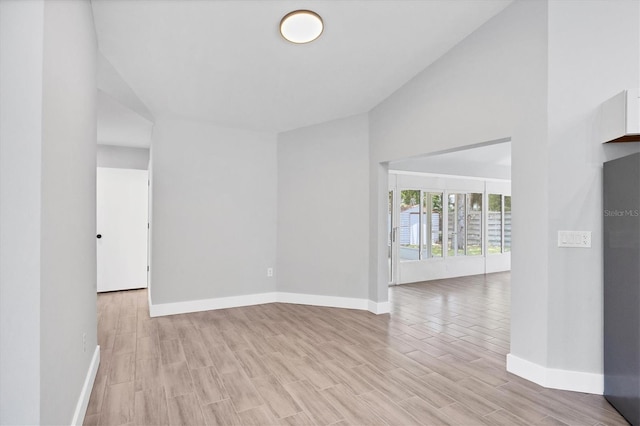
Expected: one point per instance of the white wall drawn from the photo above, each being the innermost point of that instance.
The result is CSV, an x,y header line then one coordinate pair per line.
x,y
120,157
68,250
213,229
21,40
48,208
594,53
323,224
489,87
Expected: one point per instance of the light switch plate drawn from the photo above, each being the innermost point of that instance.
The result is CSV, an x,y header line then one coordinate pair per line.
x,y
574,239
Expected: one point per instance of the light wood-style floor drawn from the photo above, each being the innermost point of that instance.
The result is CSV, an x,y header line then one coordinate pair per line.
x,y
437,359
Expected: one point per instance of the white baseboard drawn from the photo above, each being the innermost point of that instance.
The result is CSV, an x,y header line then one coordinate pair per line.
x,y
379,307
174,308
554,378
83,401
162,309
327,301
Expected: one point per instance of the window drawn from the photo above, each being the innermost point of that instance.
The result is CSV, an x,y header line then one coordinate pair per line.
x,y
409,224
465,224
424,229
421,224
507,223
474,225
494,224
436,222
456,224
432,221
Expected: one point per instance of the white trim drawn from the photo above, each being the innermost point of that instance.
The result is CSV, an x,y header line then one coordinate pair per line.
x,y
379,307
262,298
83,400
328,301
174,308
554,378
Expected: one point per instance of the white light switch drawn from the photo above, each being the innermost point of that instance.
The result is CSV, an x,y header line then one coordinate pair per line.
x,y
575,239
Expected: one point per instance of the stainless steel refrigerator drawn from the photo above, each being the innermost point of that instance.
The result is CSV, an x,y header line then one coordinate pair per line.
x,y
621,222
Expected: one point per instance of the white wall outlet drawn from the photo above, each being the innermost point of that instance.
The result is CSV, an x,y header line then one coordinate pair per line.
x,y
84,342
575,239
269,272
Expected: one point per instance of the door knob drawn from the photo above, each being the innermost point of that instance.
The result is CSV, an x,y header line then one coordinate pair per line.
x,y
99,236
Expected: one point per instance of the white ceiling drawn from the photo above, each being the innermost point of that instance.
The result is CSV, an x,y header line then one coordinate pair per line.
x,y
119,125
225,62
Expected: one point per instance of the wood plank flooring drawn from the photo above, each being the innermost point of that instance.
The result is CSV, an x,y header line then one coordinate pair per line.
x,y
437,359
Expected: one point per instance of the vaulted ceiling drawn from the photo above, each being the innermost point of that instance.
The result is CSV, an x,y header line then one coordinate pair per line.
x,y
225,61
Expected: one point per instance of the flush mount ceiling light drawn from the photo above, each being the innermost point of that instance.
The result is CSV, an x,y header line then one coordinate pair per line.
x,y
301,26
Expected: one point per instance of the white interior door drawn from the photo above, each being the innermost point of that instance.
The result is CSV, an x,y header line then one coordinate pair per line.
x,y
122,217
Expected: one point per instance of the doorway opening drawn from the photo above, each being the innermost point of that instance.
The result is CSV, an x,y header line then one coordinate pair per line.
x,y
449,213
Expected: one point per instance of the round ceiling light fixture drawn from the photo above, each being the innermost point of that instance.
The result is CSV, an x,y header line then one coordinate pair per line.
x,y
301,26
